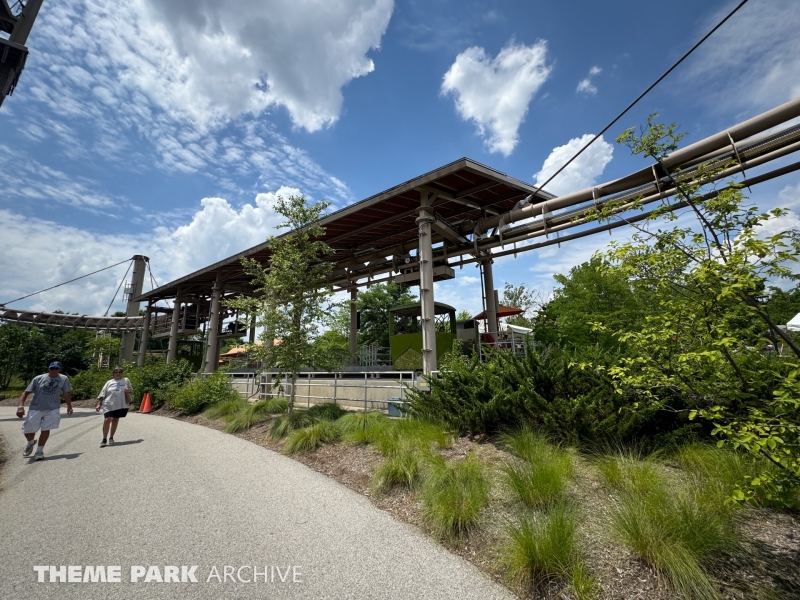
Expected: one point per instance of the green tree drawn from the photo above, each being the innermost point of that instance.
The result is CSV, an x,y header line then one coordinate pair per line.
x,y
11,340
292,291
463,315
374,304
591,294
704,278
522,297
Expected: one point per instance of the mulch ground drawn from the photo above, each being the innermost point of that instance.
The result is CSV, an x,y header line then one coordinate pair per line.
x,y
770,567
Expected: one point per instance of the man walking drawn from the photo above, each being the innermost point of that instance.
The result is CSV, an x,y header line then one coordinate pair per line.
x,y
45,410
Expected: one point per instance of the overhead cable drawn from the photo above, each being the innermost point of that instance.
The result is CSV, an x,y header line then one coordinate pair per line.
x,y
642,95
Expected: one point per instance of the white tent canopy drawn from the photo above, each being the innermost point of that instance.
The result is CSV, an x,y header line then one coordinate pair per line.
x,y
794,323
517,329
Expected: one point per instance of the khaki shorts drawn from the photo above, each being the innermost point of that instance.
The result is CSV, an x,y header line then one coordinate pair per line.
x,y
41,419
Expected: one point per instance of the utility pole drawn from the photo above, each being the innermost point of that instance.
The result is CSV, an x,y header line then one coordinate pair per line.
x,y
13,53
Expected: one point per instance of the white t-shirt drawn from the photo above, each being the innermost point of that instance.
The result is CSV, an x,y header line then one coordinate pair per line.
x,y
113,394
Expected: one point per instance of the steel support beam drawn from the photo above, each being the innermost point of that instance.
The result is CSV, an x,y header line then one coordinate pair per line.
x,y
354,326
212,350
428,321
488,292
172,349
137,284
145,337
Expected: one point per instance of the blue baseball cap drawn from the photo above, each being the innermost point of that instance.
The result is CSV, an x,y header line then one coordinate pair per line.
x,y
55,365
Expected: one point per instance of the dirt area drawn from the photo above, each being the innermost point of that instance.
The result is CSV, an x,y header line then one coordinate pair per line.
x,y
771,568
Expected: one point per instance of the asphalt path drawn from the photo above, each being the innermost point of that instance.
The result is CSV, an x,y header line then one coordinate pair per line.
x,y
174,494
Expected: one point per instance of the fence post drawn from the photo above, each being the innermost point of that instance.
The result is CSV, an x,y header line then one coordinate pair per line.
x,y
365,391
335,385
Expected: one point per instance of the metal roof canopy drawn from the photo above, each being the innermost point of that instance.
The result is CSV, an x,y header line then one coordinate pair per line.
x,y
467,192
414,310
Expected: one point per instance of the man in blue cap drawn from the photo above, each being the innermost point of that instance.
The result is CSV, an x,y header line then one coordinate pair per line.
x,y
45,411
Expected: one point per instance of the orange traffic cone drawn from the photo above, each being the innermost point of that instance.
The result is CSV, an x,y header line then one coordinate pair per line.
x,y
145,406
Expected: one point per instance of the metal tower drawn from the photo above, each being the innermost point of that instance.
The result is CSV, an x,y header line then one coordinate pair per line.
x,y
17,21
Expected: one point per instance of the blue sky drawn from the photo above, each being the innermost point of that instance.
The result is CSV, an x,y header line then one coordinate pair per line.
x,y
167,127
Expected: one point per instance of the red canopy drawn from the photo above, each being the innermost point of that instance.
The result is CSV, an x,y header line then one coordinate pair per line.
x,y
502,311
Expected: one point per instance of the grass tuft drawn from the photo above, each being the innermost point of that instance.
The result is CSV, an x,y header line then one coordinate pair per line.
x,y
403,468
253,414
308,439
226,408
326,411
422,433
286,423
541,477
453,496
677,530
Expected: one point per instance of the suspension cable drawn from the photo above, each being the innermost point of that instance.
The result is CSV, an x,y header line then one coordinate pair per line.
x,y
642,95
105,314
65,283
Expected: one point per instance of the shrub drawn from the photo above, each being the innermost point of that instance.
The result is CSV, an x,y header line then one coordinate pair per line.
x,y
544,549
310,438
675,530
402,468
196,395
253,414
541,389
360,421
453,496
87,384
158,378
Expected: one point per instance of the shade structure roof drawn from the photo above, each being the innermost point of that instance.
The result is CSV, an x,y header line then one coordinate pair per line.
x,y
414,310
465,190
502,311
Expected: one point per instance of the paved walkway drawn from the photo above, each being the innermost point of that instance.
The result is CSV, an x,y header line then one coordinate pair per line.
x,y
174,494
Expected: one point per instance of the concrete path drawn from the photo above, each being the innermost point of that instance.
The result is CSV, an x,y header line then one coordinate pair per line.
x,y
180,495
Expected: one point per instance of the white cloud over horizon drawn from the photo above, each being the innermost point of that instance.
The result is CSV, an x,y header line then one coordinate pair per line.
x,y
216,231
494,93
582,172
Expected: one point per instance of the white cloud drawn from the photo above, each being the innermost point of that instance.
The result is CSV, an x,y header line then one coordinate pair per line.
x,y
214,232
582,172
495,93
752,61
789,197
585,85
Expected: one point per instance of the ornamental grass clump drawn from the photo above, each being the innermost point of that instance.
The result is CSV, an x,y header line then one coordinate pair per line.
x,y
362,427
453,495
422,433
677,529
300,419
226,408
253,414
403,468
543,548
308,439
541,476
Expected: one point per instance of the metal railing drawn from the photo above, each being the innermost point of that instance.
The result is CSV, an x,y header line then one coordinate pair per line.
x,y
374,356
341,383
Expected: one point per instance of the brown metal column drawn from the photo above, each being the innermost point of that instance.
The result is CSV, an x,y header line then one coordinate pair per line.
x,y
145,335
428,320
172,349
353,326
212,349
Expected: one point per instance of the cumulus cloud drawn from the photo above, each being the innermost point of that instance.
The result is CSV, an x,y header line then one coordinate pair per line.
x,y
585,85
494,93
753,61
582,172
217,230
789,197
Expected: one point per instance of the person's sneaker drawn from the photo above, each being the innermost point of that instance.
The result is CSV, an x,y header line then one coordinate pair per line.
x,y
103,443
29,448
39,455
110,441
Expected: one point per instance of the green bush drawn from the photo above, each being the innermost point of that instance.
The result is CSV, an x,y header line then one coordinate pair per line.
x,y
87,384
677,530
541,476
327,411
542,389
253,414
545,548
308,439
159,379
453,496
201,393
